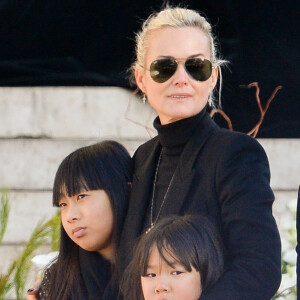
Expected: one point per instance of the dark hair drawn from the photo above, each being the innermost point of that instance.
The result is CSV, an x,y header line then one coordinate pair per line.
x,y
107,166
192,241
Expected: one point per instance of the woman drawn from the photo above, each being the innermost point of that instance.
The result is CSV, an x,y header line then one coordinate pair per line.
x,y
178,252
193,166
91,188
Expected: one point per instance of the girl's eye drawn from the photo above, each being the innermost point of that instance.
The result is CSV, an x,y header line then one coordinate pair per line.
x,y
176,272
62,204
150,275
81,196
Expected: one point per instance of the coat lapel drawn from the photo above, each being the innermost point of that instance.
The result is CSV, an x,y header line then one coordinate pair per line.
x,y
184,173
141,188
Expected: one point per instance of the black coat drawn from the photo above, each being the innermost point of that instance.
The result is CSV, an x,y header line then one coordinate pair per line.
x,y
226,176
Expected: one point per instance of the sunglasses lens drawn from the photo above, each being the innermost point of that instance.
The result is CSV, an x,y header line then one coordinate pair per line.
x,y
199,69
163,69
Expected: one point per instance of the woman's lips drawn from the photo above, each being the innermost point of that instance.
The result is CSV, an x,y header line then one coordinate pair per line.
x,y
180,96
79,231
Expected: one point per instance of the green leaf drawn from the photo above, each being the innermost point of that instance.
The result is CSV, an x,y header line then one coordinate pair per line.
x,y
18,270
4,213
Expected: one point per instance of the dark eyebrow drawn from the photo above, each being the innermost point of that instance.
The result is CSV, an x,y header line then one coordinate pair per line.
x,y
195,55
149,266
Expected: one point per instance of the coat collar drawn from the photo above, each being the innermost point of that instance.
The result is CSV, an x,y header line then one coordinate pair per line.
x,y
185,171
188,156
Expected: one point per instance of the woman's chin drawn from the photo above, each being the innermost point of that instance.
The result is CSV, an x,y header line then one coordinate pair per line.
x,y
177,116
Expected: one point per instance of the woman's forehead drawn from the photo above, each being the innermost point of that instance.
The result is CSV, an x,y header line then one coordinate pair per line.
x,y
177,42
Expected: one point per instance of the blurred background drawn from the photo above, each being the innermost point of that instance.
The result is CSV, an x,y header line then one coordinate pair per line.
x,y
90,43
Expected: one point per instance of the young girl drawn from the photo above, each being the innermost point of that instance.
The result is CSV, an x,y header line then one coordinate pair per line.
x,y
91,188
180,257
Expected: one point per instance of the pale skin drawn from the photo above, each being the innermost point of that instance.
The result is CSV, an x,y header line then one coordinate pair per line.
x,y
165,282
180,96
88,220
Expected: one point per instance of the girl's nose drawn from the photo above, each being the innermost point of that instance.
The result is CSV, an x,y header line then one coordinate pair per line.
x,y
73,213
162,286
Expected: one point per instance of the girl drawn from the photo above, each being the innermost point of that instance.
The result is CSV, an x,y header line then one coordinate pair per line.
x,y
91,188
178,259
194,167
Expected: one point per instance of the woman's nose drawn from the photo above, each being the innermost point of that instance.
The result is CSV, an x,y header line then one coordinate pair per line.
x,y
180,78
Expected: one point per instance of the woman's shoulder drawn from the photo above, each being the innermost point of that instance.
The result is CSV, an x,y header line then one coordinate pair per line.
x,y
232,147
146,148
226,145
234,139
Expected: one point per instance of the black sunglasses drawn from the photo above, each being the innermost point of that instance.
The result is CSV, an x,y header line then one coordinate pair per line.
x,y
163,69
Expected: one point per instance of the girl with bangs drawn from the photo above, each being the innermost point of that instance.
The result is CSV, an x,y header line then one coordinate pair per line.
x,y
180,257
91,188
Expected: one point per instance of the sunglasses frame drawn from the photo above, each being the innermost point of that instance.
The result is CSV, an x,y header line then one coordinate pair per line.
x,y
177,61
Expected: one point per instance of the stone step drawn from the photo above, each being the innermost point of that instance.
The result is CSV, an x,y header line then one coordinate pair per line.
x,y
284,159
27,209
32,163
73,112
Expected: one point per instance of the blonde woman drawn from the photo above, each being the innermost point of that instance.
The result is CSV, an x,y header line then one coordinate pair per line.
x,y
193,166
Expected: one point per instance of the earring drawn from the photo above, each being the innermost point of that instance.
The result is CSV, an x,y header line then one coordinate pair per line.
x,y
210,101
144,98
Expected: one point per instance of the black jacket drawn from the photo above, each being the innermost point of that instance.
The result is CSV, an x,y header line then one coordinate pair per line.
x,y
226,176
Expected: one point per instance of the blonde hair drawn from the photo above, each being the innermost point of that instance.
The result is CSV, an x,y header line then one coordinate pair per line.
x,y
176,17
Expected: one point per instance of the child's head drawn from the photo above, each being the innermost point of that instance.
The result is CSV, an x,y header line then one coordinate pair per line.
x,y
180,257
91,187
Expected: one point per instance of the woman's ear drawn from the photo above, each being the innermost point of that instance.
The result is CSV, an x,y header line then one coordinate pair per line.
x,y
214,77
139,75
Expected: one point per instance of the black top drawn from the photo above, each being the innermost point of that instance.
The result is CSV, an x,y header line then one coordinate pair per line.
x,y
173,138
95,272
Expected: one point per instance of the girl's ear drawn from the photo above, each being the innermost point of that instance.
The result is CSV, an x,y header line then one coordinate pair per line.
x,y
139,75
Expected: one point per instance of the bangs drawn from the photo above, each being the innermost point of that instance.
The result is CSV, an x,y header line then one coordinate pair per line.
x,y
78,173
174,247
69,189
165,250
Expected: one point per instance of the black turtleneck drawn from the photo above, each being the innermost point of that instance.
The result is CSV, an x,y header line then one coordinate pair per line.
x,y
173,138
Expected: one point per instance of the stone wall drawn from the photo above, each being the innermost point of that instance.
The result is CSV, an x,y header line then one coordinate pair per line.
x,y
40,126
